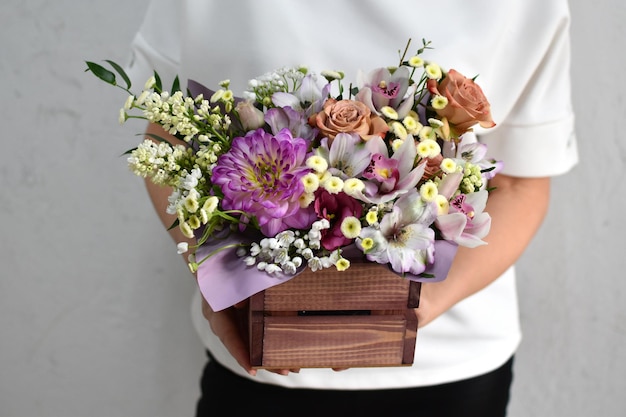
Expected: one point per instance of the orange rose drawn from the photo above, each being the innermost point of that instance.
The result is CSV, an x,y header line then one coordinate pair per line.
x,y
348,116
467,104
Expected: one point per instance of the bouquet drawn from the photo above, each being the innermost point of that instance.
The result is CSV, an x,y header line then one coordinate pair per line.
x,y
304,171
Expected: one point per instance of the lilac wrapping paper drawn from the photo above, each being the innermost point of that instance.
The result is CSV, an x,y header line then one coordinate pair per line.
x,y
224,279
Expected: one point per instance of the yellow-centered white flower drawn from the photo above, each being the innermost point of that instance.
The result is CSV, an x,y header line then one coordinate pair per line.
x,y
311,182
342,264
395,145
429,191
443,205
439,102
412,125
306,199
217,96
389,112
210,204
416,61
433,71
352,186
191,204
351,227
427,132
317,163
332,75
448,165
186,230
367,244
333,185
399,130
371,217
428,148
194,222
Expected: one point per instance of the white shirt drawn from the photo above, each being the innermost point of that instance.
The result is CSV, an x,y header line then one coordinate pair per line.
x,y
518,48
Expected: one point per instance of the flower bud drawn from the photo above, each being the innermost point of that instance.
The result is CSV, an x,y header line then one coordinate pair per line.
x,y
251,118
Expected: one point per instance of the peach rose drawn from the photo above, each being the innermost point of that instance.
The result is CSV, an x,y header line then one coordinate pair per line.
x,y
433,166
348,116
467,104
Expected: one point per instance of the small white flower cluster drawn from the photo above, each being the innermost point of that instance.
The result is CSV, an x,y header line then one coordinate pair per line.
x,y
157,160
175,113
182,116
289,250
190,207
286,79
472,179
185,196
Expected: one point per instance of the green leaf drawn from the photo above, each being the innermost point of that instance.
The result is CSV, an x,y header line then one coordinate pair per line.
x,y
121,72
155,137
158,85
175,224
175,85
128,152
101,72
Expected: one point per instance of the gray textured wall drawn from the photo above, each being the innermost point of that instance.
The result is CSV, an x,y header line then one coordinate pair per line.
x,y
92,325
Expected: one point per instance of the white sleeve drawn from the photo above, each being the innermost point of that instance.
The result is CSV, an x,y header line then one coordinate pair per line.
x,y
537,138
156,45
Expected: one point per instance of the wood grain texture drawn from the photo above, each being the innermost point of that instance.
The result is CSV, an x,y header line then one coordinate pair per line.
x,y
362,317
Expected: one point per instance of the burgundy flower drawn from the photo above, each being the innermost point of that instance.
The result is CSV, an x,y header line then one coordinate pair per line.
x,y
335,208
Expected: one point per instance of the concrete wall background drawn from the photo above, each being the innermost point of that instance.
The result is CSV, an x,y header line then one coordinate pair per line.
x,y
91,324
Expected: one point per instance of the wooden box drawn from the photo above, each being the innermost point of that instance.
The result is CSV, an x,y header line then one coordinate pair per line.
x,y
361,317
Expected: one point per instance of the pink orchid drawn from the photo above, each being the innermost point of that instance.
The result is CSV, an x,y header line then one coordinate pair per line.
x,y
470,150
381,88
405,175
347,155
466,223
309,98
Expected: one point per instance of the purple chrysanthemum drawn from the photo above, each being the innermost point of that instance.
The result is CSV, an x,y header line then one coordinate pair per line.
x,y
261,176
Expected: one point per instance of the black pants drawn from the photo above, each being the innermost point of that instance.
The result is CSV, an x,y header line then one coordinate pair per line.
x,y
227,394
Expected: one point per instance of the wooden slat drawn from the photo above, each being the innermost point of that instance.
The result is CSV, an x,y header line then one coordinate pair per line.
x,y
340,341
364,286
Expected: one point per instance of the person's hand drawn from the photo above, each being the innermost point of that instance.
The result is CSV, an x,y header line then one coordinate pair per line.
x,y
435,299
424,312
229,326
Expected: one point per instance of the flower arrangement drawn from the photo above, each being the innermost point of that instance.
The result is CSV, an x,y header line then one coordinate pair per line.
x,y
304,172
